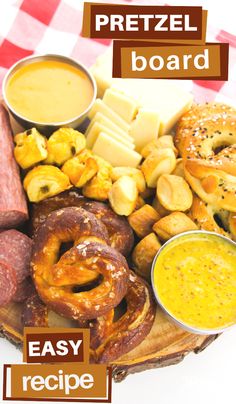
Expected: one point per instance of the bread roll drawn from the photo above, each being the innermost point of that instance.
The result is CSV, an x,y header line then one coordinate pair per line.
x,y
123,195
174,193
160,161
175,223
143,219
144,254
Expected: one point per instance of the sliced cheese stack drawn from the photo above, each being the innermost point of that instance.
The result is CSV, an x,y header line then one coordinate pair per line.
x,y
108,132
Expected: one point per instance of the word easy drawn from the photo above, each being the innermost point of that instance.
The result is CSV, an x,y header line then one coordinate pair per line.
x,y
61,348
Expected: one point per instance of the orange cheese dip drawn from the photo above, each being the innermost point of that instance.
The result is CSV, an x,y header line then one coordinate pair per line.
x,y
49,91
195,280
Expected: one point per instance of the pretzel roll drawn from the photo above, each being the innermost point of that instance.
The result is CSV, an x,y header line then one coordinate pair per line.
x,y
214,181
58,279
174,193
206,138
143,255
173,224
120,233
194,123
111,339
210,218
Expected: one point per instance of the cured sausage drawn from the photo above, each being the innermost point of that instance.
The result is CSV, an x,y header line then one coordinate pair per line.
x,y
24,290
7,283
15,251
13,206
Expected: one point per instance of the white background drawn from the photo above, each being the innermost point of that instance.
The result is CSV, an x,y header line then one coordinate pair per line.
x,y
205,378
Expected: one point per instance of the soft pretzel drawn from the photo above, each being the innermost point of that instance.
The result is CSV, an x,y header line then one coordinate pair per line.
x,y
119,231
208,217
111,339
206,138
58,279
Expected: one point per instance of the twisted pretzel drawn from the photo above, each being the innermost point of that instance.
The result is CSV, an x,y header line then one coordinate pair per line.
x,y
120,233
206,139
109,338
57,280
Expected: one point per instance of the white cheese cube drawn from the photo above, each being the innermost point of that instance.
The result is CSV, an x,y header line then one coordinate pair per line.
x,y
144,128
116,153
123,105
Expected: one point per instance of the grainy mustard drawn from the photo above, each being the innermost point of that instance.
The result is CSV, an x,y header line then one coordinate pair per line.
x,y
195,279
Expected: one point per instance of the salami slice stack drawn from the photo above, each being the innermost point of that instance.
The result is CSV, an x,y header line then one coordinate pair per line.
x,y
15,256
13,206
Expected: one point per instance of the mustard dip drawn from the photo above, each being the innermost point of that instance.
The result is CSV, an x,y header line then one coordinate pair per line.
x,y
49,91
194,277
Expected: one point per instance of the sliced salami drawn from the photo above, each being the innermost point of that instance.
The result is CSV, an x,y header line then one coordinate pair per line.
x,y
15,251
7,283
13,206
24,290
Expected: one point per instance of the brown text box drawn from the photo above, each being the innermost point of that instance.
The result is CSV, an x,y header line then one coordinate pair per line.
x,y
93,10
217,57
55,337
57,382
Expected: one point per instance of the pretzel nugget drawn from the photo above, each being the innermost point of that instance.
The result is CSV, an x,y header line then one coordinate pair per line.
x,y
163,142
173,224
174,193
45,181
159,208
134,173
143,219
144,253
99,186
160,161
123,195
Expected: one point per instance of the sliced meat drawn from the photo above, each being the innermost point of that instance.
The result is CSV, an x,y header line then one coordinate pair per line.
x,y
15,251
7,283
13,206
24,290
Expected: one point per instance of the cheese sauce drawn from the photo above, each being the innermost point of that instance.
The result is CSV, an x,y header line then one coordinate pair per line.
x,y
49,91
195,279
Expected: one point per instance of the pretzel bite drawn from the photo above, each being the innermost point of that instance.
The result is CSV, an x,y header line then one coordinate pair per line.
x,y
120,233
173,224
179,169
206,138
163,142
123,195
174,193
81,168
210,218
60,281
30,149
63,145
143,255
160,161
111,339
45,181
99,186
159,208
134,173
34,312
143,219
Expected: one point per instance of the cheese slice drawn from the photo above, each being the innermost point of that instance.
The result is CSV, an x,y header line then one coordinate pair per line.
x,y
116,153
144,128
100,106
99,117
123,105
97,128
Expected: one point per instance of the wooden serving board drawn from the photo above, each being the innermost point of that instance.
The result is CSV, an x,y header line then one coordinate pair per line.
x,y
166,344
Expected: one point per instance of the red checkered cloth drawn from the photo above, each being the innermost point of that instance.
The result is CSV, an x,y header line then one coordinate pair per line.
x,y
54,26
